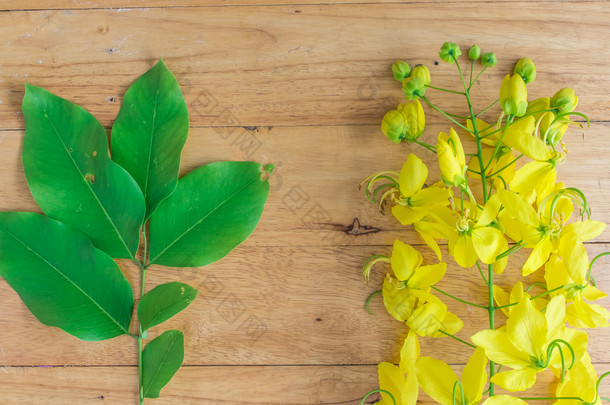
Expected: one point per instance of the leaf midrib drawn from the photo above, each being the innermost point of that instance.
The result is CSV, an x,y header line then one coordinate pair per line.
x,y
46,115
203,218
152,132
66,278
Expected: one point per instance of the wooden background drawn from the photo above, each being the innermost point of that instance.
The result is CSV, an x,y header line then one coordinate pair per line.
x,y
304,86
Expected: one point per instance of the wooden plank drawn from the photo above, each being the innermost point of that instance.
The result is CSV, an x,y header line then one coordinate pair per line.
x,y
211,385
314,198
278,306
265,65
123,4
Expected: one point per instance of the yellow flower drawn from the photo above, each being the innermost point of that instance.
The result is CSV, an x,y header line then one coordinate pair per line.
x,y
473,238
504,400
580,381
451,158
412,200
539,230
513,95
516,294
406,123
398,295
571,270
431,317
435,225
438,380
404,388
527,343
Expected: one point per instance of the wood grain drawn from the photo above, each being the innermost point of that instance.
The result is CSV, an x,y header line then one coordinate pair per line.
x,y
315,200
279,305
335,74
326,385
302,85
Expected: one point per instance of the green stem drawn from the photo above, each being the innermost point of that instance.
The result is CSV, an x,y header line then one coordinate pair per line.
x,y
534,297
477,78
457,299
445,114
487,108
505,167
376,391
425,145
549,398
492,313
446,90
457,338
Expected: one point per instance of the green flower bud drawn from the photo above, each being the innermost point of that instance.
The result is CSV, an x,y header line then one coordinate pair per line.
x,y
406,123
564,100
513,95
474,52
401,70
489,59
423,73
413,87
449,52
526,69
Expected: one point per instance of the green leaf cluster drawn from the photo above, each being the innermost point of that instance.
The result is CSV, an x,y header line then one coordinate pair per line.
x,y
102,203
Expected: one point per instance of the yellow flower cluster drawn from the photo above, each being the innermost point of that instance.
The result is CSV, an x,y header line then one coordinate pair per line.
x,y
519,205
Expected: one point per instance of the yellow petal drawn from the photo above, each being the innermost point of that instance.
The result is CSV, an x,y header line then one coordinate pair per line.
x,y
580,382
428,239
500,349
409,352
586,230
485,130
428,318
450,324
519,137
407,215
431,196
504,400
555,315
576,338
488,243
463,251
474,376
412,176
405,260
436,378
490,212
501,298
582,314
539,176
591,293
515,380
518,207
391,379
538,257
527,329
425,276
398,302
574,257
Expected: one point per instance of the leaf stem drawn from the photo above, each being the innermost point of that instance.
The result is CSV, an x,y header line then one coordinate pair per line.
x,y
143,268
446,90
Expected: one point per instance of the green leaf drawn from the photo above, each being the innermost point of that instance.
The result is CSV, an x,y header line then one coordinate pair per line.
x,y
149,133
71,176
213,209
62,278
161,359
163,302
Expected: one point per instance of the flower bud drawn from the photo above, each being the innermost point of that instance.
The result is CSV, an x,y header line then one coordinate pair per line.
x,y
474,52
406,123
449,52
513,95
423,73
526,69
489,59
564,100
401,70
413,87
451,159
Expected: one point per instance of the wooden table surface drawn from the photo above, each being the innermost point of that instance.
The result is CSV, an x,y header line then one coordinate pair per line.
x,y
281,320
